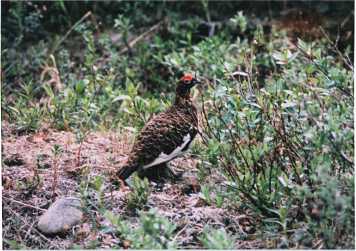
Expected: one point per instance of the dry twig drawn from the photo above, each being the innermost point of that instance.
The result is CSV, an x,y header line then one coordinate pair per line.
x,y
23,204
144,35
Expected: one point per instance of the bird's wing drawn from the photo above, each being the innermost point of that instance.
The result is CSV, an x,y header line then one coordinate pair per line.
x,y
162,139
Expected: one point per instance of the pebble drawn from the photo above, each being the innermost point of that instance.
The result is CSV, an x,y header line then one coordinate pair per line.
x,y
61,216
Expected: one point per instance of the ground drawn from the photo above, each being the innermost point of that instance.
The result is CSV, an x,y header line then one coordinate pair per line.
x,y
28,177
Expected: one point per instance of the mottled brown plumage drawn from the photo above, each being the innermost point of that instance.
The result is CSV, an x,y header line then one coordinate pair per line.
x,y
165,133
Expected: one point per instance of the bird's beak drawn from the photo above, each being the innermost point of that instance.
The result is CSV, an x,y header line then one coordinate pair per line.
x,y
197,81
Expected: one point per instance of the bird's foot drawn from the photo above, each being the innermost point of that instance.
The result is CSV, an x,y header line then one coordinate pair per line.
x,y
173,175
123,186
117,181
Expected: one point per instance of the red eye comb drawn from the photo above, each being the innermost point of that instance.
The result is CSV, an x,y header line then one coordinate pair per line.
x,y
187,77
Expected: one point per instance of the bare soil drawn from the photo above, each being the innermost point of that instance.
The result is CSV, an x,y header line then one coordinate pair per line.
x,y
28,180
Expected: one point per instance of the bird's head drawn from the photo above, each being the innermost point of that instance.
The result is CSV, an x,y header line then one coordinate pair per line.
x,y
185,84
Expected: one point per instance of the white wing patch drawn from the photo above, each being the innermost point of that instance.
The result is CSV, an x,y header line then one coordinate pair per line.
x,y
164,157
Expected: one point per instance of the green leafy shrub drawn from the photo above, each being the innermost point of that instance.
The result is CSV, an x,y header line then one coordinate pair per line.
x,y
152,232
24,113
216,239
138,197
328,208
271,136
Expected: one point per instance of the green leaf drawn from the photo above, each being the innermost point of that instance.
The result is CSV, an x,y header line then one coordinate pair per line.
x,y
80,86
121,98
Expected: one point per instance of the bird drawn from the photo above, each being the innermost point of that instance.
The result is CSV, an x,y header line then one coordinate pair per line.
x,y
164,137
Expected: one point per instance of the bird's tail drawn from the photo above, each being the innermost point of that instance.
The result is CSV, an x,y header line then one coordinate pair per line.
x,y
126,170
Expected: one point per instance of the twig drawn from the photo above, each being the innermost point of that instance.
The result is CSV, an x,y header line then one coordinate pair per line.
x,y
179,232
29,230
210,130
346,19
133,42
24,204
333,144
77,164
321,69
346,59
70,30
26,223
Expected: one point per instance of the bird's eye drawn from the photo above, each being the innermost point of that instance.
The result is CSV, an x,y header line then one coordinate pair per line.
x,y
186,82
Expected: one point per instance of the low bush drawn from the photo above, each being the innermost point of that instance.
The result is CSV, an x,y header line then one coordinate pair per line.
x,y
152,232
274,138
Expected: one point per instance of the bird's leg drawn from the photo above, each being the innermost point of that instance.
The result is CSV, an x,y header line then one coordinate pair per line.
x,y
152,173
171,174
123,185
159,173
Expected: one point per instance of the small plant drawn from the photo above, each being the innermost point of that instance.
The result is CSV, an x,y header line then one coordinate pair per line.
x,y
219,199
98,185
153,231
240,20
212,196
26,114
56,152
138,197
15,245
124,26
92,196
205,194
80,135
28,119
216,239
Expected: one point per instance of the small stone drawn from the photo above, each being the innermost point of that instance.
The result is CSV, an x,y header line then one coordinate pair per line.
x,y
190,185
61,216
14,160
43,161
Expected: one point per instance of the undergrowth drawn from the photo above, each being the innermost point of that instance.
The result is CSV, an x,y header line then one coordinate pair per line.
x,y
276,113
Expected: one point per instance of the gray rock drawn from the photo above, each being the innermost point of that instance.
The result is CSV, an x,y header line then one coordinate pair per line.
x,y
61,216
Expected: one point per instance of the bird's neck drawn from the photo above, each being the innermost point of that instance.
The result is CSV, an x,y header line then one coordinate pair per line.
x,y
182,100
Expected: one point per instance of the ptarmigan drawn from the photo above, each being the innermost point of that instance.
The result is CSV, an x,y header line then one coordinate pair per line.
x,y
166,136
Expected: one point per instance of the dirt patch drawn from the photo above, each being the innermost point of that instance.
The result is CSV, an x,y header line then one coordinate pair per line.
x,y
28,191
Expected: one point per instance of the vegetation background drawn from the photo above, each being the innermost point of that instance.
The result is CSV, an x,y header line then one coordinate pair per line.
x,y
273,166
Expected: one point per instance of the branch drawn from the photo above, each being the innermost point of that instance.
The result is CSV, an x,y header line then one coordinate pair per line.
x,y
346,59
133,42
24,204
346,92
70,30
